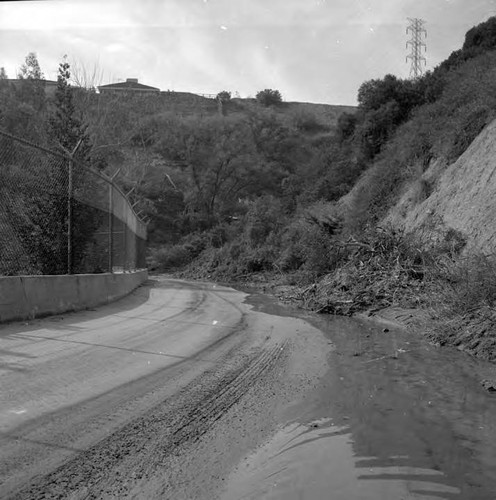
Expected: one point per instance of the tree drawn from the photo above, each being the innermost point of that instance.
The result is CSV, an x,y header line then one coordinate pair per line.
x,y
22,106
377,128
373,94
66,128
86,77
31,70
221,163
269,97
481,36
384,104
224,96
432,84
478,40
283,146
346,126
31,91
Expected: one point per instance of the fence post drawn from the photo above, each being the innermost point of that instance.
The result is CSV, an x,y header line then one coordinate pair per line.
x,y
111,229
69,218
70,193
124,234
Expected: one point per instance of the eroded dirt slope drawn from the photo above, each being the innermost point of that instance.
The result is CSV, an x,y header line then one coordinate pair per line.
x,y
461,196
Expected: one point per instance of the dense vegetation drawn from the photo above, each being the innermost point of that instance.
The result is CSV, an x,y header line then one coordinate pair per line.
x,y
291,217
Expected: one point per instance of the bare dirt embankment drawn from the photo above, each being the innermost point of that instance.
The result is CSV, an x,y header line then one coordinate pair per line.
x,y
459,197
455,206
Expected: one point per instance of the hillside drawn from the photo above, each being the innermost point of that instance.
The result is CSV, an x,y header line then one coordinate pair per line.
x,y
393,211
458,198
324,114
189,162
189,104
327,113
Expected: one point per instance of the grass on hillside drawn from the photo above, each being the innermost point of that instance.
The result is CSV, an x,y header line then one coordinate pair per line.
x,y
325,115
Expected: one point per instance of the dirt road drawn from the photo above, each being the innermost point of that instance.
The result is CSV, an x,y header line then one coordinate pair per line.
x,y
198,391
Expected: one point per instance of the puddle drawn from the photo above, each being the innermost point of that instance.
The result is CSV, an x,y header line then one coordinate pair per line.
x,y
270,305
394,418
316,461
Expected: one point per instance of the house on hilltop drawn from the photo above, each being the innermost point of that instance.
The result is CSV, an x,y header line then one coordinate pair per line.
x,y
130,86
50,86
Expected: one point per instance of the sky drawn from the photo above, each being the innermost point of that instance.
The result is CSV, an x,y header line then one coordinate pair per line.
x,y
310,50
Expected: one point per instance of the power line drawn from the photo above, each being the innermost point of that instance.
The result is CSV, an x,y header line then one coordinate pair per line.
x,y
416,26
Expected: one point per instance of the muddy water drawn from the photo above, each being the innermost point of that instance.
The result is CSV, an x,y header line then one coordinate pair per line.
x,y
393,418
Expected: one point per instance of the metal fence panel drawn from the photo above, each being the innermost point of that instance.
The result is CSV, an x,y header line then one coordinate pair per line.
x,y
58,216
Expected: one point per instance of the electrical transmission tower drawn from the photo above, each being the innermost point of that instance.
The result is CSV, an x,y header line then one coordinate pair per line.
x,y
416,26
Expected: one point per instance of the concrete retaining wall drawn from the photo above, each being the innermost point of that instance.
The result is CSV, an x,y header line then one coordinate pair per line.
x,y
28,297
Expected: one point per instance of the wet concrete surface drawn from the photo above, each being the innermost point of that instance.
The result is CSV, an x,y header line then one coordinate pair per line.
x,y
393,418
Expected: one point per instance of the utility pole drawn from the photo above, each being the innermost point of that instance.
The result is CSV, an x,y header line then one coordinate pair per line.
x,y
416,26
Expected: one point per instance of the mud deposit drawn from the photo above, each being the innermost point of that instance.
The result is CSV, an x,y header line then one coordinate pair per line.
x,y
393,418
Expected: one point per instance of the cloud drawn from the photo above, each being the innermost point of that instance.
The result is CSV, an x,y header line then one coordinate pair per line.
x,y
63,14
314,50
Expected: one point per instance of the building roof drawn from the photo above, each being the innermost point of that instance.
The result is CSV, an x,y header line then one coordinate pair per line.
x,y
129,84
17,80
49,86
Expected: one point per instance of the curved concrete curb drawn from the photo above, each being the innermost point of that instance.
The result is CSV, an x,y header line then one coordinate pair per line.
x,y
28,297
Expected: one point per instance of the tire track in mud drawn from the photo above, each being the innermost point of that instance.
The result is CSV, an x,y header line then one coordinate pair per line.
x,y
135,452
216,404
194,304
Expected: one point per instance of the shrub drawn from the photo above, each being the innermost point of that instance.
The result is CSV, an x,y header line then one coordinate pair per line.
x,y
468,284
308,245
169,257
422,189
195,243
179,255
462,306
292,255
269,97
223,96
264,217
470,127
304,121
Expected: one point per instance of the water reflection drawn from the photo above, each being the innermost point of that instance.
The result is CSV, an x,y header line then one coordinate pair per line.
x,y
316,461
394,418
426,404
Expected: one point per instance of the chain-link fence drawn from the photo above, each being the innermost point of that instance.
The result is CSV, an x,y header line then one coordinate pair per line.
x,y
57,216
